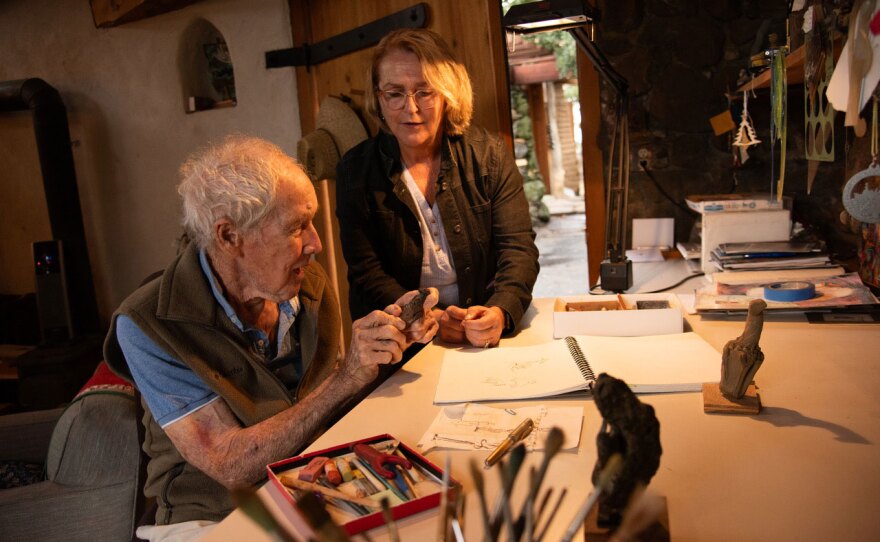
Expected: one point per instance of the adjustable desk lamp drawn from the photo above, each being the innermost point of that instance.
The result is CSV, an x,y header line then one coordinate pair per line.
x,y
615,271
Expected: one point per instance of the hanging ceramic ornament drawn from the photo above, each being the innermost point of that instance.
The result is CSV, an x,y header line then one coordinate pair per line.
x,y
861,195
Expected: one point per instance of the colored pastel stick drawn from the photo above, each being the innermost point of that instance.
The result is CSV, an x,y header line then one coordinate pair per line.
x,y
332,472
313,470
359,477
344,470
367,475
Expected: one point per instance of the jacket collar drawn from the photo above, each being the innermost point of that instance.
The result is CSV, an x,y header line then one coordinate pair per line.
x,y
389,150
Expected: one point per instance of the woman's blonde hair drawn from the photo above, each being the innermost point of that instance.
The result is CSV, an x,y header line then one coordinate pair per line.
x,y
442,71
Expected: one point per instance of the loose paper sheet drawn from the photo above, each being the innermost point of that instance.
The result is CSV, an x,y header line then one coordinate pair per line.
x,y
471,426
637,255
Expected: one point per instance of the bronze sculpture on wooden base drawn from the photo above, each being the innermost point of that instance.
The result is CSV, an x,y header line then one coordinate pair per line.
x,y
741,359
629,428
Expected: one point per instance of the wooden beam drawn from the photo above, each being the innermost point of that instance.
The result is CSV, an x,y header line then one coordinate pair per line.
x,y
498,53
538,114
594,183
306,85
109,13
535,72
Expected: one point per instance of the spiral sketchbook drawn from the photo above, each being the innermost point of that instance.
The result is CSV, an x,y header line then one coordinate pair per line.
x,y
678,362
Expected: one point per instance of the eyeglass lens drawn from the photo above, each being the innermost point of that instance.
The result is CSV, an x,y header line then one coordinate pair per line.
x,y
396,99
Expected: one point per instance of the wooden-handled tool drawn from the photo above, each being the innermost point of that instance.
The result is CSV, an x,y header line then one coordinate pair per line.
x,y
295,483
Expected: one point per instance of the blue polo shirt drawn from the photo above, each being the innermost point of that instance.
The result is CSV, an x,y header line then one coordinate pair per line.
x,y
171,389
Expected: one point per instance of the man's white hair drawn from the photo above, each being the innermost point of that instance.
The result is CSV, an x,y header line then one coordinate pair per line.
x,y
236,179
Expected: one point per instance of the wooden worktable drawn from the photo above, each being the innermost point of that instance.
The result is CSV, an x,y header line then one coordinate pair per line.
x,y
806,468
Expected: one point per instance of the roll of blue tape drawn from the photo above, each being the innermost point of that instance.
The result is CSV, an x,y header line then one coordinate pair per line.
x,y
789,291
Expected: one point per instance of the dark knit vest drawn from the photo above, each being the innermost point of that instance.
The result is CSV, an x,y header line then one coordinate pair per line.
x,y
179,313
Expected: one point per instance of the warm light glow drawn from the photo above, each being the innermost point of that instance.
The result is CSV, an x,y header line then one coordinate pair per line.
x,y
548,15
556,24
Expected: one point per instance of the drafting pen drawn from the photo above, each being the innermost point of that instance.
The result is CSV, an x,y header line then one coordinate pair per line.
x,y
521,432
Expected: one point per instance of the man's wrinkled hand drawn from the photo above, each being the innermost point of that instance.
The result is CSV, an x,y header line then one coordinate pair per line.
x,y
376,339
423,329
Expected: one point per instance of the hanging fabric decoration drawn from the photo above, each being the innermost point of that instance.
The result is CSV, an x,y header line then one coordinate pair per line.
x,y
778,119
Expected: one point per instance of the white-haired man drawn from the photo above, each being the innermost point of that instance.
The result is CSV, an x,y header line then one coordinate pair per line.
x,y
236,347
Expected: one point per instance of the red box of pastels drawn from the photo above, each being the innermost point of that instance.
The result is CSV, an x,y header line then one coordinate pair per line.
x,y
352,479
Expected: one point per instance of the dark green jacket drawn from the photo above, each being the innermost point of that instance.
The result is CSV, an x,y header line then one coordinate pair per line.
x,y
485,217
179,313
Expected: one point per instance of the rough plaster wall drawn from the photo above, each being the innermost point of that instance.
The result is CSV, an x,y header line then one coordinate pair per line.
x,y
130,134
24,217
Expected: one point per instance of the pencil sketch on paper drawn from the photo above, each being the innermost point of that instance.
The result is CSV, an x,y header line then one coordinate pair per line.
x,y
472,426
520,375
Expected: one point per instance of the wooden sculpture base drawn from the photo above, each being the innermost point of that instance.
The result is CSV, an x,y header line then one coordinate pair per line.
x,y
714,402
658,532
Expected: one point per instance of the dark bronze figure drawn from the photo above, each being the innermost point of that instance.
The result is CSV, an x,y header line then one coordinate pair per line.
x,y
630,428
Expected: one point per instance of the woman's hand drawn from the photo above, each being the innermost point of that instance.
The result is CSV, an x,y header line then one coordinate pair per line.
x,y
480,326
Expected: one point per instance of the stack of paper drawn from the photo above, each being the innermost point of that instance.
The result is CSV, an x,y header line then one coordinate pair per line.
x,y
770,255
718,203
838,292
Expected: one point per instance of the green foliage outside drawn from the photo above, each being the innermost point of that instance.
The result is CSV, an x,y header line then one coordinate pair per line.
x,y
533,182
560,42
563,47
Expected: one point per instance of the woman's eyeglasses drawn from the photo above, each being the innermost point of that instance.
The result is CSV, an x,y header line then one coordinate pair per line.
x,y
395,99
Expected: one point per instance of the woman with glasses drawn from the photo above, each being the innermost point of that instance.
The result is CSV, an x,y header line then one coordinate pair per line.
x,y
433,201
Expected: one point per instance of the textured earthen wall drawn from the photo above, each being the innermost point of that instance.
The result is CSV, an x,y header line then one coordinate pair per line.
x,y
682,59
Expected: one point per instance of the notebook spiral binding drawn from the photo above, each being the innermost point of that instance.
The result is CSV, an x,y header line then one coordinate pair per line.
x,y
580,360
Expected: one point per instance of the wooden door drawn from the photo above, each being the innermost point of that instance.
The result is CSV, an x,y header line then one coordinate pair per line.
x,y
471,27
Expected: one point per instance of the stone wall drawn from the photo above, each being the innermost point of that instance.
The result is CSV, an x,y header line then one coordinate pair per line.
x,y
682,59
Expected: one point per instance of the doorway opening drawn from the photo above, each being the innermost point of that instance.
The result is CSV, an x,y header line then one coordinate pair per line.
x,y
547,136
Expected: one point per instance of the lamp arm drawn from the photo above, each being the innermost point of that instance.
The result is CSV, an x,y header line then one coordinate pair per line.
x,y
600,62
617,195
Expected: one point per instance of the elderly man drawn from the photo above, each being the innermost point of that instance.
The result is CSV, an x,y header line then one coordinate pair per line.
x,y
236,347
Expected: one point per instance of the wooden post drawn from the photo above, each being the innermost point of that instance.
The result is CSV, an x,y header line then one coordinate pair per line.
x,y
540,135
594,182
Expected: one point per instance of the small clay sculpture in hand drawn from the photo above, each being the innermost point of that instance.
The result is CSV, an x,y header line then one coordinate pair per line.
x,y
414,309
